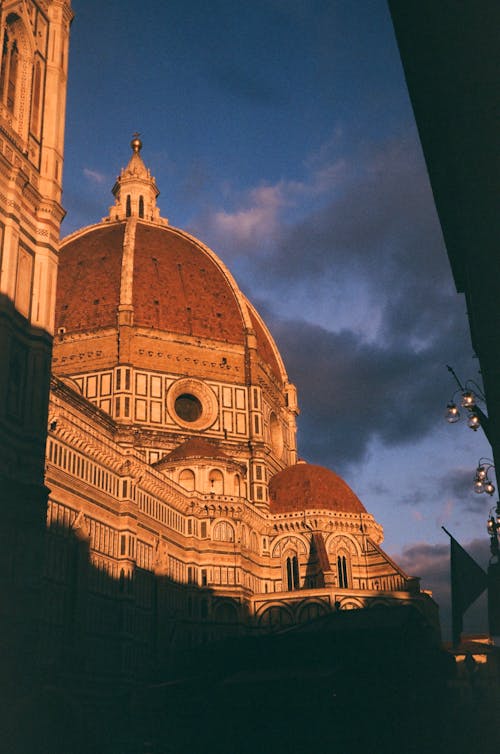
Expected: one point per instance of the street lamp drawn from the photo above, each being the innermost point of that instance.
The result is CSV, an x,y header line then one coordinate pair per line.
x,y
482,482
469,396
493,527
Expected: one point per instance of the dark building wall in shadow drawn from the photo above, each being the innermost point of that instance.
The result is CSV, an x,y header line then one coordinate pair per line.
x,y
98,643
143,660
24,389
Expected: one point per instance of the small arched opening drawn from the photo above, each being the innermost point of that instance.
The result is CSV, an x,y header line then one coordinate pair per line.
x,y
216,482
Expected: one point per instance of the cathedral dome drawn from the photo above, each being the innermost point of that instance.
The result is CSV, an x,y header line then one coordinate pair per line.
x,y
166,278
175,285
306,486
134,270
154,330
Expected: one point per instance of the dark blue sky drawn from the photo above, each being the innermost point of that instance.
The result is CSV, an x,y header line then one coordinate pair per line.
x,y
280,133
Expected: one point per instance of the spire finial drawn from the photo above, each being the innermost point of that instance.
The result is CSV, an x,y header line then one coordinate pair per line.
x,y
135,190
136,143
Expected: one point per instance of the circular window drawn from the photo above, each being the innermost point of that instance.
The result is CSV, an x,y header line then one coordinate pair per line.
x,y
192,404
188,407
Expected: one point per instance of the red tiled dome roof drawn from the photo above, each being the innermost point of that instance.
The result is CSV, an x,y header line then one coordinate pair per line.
x,y
176,285
306,486
88,283
169,280
195,447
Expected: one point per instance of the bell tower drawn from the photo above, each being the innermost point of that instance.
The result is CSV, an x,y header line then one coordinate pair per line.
x,y
34,39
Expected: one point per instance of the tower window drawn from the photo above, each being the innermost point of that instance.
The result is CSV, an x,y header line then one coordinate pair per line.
x,y
35,108
12,83
9,73
141,206
342,571
223,532
216,480
5,64
187,479
128,207
292,573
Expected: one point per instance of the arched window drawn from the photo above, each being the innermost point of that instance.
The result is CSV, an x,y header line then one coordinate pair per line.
x,y
13,74
187,479
342,571
311,610
292,573
36,98
128,207
10,72
4,65
237,485
226,612
216,481
141,206
17,74
223,532
275,617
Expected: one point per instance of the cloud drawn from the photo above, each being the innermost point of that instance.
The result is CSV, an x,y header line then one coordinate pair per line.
x,y
95,176
457,482
254,226
352,391
460,484
362,227
379,233
348,268
432,564
257,223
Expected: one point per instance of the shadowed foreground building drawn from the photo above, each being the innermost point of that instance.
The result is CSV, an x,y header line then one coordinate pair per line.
x,y
178,512
34,37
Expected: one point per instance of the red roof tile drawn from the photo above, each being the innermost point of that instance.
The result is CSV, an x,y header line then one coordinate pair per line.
x,y
195,447
306,486
88,284
179,288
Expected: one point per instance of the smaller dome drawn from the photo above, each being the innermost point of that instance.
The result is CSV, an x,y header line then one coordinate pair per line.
x,y
195,448
306,486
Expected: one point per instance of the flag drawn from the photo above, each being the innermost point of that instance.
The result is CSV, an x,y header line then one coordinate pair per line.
x,y
468,581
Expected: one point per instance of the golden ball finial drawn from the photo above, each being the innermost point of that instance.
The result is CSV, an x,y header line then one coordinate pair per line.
x,y
136,143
